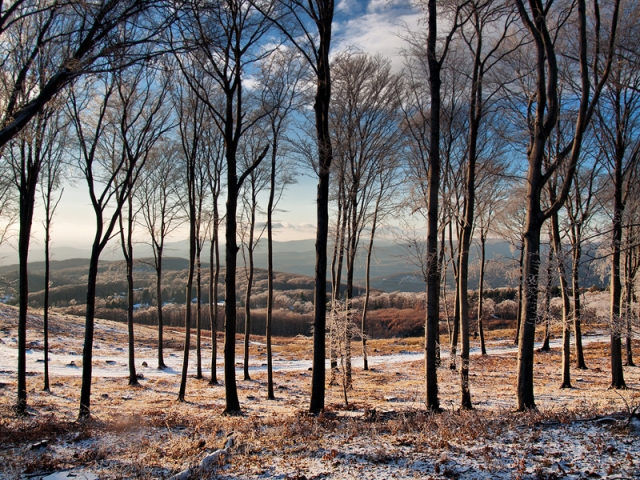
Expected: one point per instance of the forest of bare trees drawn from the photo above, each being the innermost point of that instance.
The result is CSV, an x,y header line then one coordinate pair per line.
x,y
512,119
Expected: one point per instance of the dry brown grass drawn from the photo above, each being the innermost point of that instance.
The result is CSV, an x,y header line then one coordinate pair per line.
x,y
143,432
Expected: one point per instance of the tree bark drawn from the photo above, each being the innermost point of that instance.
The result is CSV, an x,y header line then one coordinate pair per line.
x,y
87,350
433,181
566,305
28,183
127,250
214,273
325,156
270,273
161,364
198,310
483,242
615,287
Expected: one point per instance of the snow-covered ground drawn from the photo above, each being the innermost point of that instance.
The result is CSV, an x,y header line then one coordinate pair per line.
x,y
384,432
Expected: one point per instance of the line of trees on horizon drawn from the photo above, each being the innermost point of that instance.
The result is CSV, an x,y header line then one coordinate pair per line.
x,y
514,118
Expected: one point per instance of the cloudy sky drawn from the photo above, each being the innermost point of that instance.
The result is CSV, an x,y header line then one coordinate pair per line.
x,y
369,26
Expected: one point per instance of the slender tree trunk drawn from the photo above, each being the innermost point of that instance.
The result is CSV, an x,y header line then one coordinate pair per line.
x,y
628,287
529,314
198,313
520,292
45,316
365,307
352,249
247,307
325,153
231,251
442,282
456,303
127,249
433,181
577,312
87,350
189,288
483,241
270,273
546,347
475,112
214,273
456,328
161,364
566,305
28,183
617,375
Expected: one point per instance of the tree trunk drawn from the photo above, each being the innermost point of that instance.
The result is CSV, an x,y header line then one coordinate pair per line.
x,y
433,307
161,364
325,154
231,251
475,114
456,327
628,288
566,305
577,312
456,303
270,207
189,288
365,307
87,350
520,292
247,305
214,273
27,191
47,262
483,241
546,347
336,273
198,312
617,375
525,397
127,250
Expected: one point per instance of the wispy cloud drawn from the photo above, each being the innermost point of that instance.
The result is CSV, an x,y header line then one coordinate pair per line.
x,y
376,28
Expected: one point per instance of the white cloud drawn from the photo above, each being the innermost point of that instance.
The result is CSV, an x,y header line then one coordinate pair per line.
x,y
378,32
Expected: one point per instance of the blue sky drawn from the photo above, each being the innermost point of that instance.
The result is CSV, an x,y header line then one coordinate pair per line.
x,y
369,26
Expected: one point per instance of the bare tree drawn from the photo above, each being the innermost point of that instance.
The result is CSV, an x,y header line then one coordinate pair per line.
x,y
491,189
364,121
282,76
582,207
50,184
26,155
619,119
160,205
226,36
109,173
193,123
435,58
387,183
307,25
215,170
256,182
543,115
142,119
52,44
484,17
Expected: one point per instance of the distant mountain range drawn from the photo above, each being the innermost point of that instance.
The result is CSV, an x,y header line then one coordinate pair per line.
x,y
391,269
